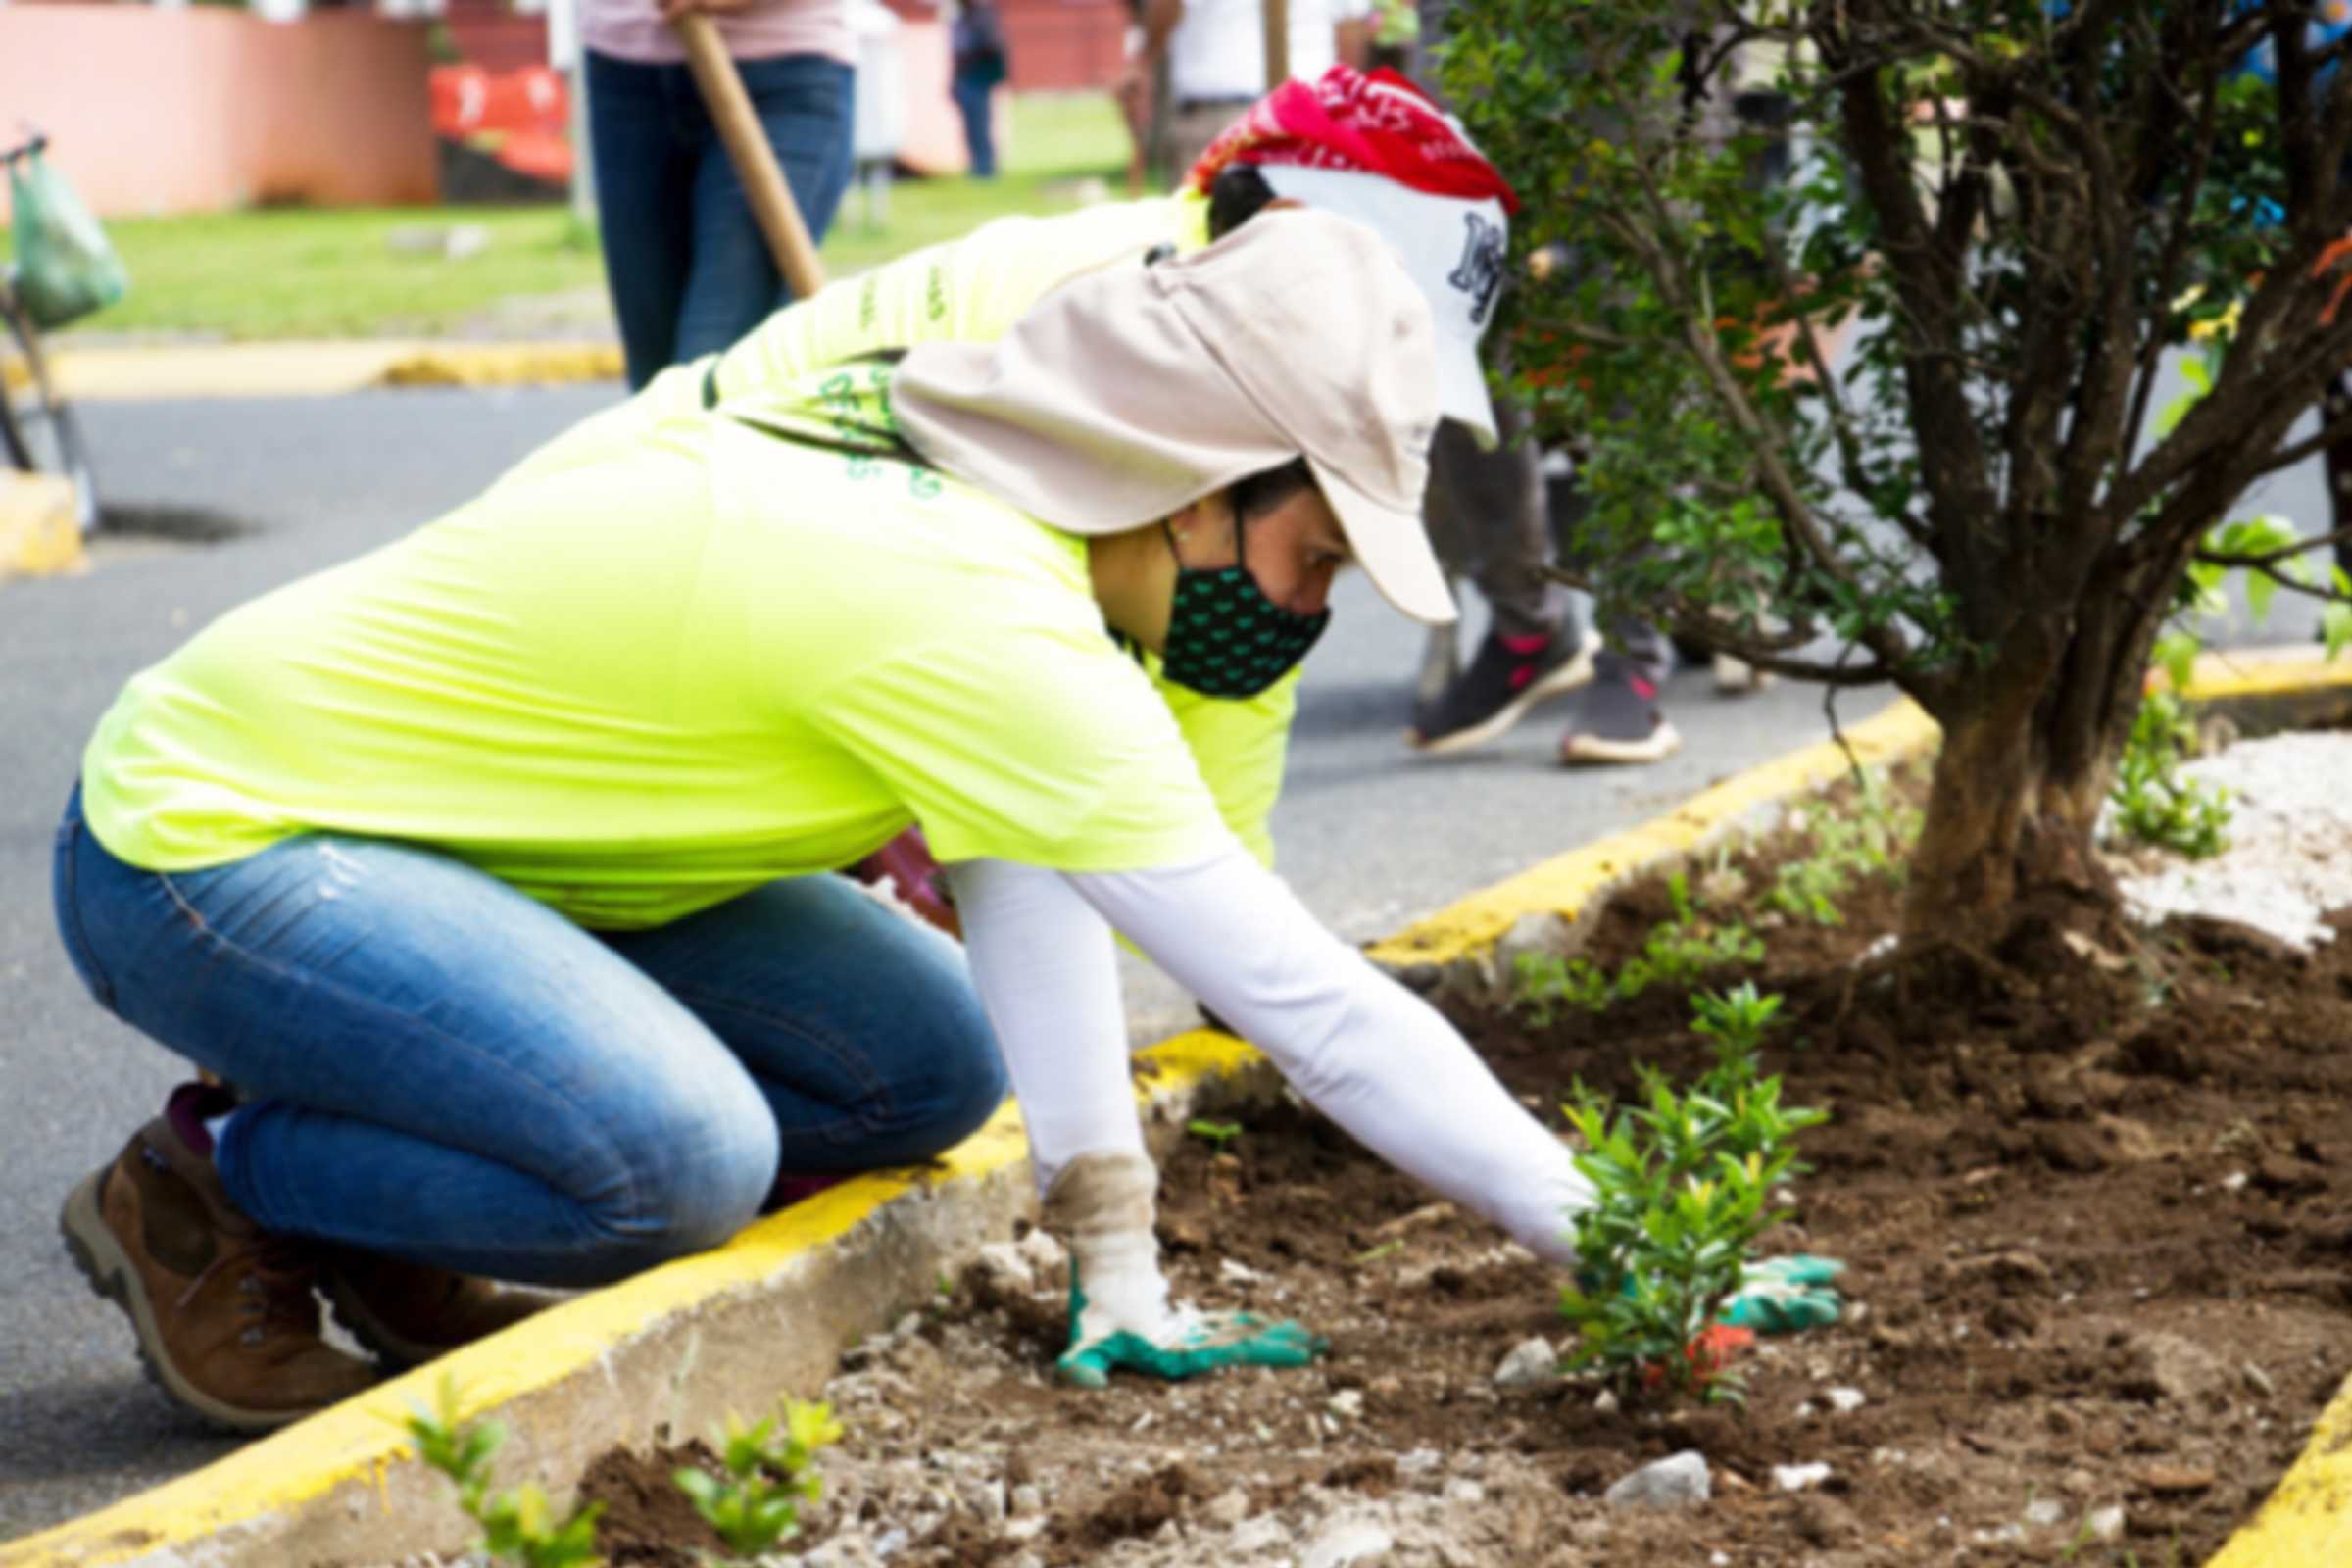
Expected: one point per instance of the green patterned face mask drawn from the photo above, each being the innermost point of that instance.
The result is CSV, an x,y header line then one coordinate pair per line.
x,y
1226,638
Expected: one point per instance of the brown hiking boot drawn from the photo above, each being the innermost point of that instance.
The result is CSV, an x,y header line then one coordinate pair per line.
x,y
224,1311
408,1313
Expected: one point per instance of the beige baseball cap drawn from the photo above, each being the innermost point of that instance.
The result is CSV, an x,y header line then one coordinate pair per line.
x,y
1133,390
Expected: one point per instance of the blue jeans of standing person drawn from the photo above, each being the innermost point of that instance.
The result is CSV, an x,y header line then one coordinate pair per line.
x,y
438,1067
689,269
975,100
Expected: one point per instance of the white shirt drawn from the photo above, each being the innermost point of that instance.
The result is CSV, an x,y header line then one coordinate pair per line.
x,y
633,30
1220,49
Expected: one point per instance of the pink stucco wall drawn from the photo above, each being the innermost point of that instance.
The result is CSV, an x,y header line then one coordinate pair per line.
x,y
193,111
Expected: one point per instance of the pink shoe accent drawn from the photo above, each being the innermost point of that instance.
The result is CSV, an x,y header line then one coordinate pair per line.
x,y
1529,650
1644,688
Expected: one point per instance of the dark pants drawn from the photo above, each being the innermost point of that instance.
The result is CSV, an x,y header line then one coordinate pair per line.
x,y
689,270
973,96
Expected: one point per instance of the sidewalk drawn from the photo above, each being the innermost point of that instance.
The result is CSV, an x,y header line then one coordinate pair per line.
x,y
322,368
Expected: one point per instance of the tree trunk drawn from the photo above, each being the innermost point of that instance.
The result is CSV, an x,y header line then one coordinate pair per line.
x,y
2007,842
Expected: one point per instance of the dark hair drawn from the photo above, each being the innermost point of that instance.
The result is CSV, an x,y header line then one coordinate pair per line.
x,y
1254,495
1235,196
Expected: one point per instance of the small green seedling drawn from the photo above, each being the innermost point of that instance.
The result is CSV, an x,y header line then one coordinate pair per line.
x,y
2153,802
1680,1190
1736,1021
1677,952
1218,1135
757,1506
518,1524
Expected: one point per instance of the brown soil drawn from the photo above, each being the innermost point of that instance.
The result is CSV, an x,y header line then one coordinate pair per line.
x,y
2098,1212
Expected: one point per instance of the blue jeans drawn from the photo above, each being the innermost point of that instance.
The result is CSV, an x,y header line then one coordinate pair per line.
x,y
975,98
689,270
440,1069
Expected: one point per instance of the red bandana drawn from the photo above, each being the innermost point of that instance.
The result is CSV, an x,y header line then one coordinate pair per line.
x,y
1379,123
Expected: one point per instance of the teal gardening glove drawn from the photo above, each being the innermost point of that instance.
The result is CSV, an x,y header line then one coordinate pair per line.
x,y
1785,1295
1119,1311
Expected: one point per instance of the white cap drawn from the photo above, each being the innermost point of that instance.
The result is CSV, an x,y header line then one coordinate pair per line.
x,y
1454,248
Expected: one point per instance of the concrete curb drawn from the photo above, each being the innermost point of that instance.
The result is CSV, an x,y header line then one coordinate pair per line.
x,y
659,1358
665,1355
320,368
39,536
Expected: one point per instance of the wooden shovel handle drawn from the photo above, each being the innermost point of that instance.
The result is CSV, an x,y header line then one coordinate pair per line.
x,y
1276,18
755,160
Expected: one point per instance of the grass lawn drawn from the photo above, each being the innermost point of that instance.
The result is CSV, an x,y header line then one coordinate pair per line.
x,y
304,272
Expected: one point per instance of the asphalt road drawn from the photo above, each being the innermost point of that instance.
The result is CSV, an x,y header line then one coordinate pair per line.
x,y
1371,835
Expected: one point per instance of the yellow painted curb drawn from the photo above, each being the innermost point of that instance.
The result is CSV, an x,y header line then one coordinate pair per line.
x,y
361,1439
39,536
1565,884
2308,1521
508,366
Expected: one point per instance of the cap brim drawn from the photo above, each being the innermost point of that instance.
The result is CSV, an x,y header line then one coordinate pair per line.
x,y
1462,389
1392,547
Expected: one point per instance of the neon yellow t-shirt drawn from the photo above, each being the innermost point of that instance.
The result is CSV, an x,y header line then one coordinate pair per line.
x,y
638,686
971,290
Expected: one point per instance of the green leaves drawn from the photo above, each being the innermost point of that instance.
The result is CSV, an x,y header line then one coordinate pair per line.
x,y
518,1524
756,1505
1680,1185
753,1508
2152,803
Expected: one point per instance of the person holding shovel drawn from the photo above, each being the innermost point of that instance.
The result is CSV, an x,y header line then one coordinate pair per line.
x,y
688,268
490,886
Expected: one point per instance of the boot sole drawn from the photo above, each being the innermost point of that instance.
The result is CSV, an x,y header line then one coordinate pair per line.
x,y
396,1351
1591,751
108,1268
1568,677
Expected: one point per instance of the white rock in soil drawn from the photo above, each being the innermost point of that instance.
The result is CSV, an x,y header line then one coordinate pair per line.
x,y
2258,1381
1236,1272
1348,1543
1845,1402
2045,1511
1463,1490
1045,1255
1347,1404
1005,1267
1415,1462
1026,1498
2180,1369
1532,1363
1261,1534
2289,856
1605,1401
1679,1482
1228,1507
1798,1477
2106,1524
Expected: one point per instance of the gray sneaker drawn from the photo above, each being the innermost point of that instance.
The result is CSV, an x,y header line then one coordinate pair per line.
x,y
1502,683
1617,719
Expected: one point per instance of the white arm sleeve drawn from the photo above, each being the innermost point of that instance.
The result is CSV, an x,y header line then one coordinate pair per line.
x,y
1048,973
1361,1048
